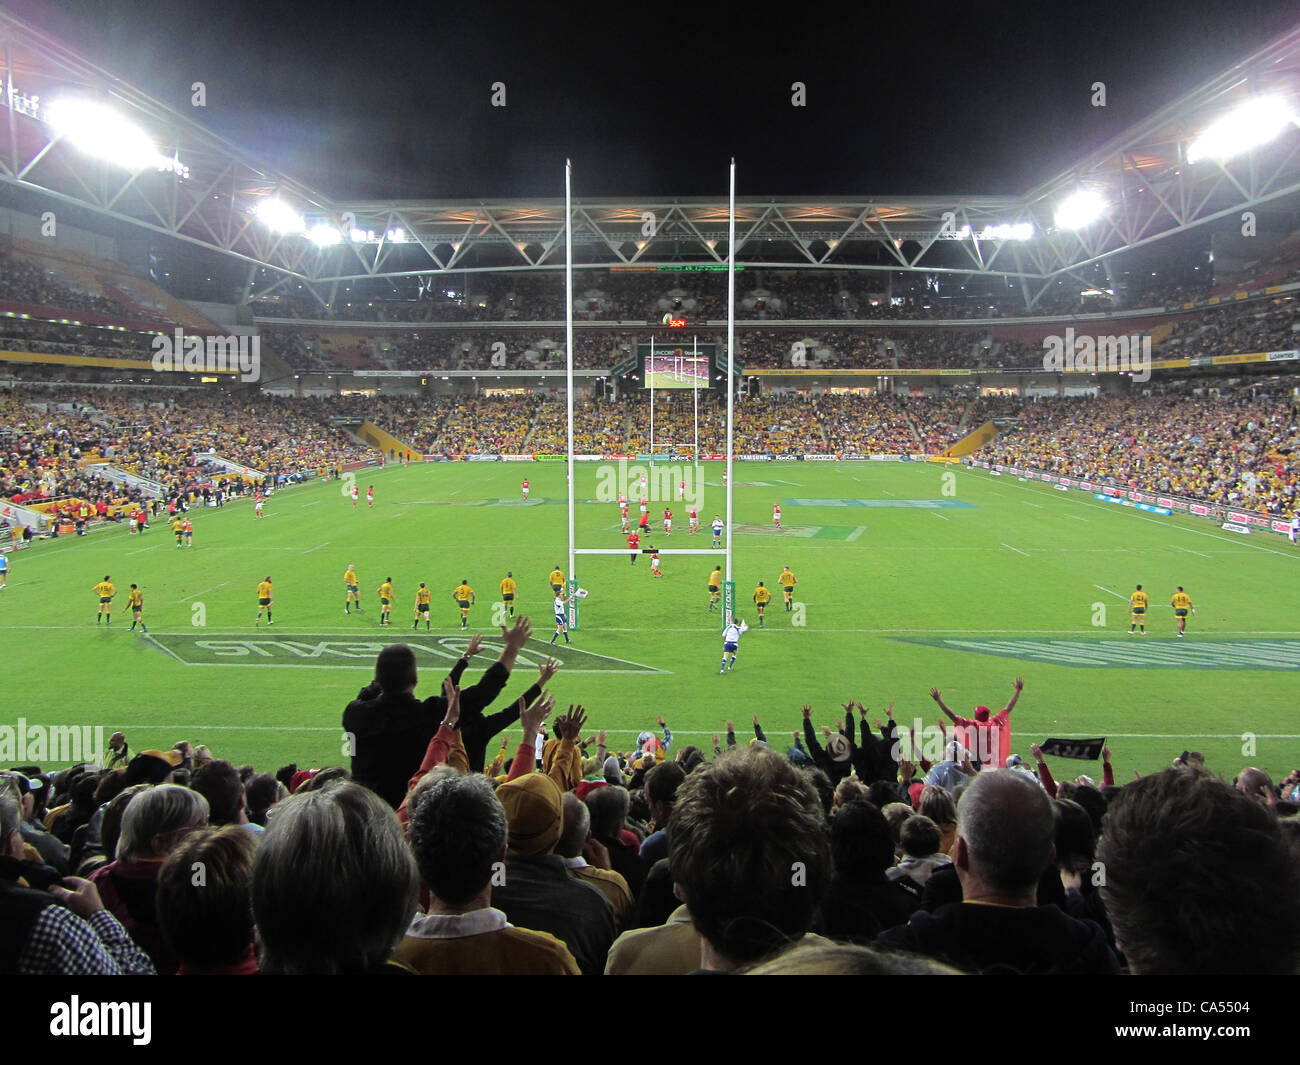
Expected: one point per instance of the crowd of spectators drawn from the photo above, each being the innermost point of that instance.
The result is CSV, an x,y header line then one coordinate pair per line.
x,y
855,848
1216,445
51,439
1252,327
26,281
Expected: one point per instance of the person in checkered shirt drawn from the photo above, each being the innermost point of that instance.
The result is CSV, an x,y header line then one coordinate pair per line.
x,y
64,930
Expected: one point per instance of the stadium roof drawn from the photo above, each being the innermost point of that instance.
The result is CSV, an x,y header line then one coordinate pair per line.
x,y
206,191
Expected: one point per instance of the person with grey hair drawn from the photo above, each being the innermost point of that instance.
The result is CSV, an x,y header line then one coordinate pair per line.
x,y
608,807
65,930
155,822
458,834
1005,839
576,846
334,884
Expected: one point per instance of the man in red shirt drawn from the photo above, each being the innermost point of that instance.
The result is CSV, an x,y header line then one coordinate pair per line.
x,y
634,544
988,737
668,522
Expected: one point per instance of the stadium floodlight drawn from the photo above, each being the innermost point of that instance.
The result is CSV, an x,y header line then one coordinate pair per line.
x,y
324,236
102,132
1249,125
279,217
396,235
1080,209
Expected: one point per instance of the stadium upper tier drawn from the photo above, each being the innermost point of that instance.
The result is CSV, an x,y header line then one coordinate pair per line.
x,y
62,303
604,296
1212,443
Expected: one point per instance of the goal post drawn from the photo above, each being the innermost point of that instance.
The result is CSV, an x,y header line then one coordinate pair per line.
x,y
571,588
690,366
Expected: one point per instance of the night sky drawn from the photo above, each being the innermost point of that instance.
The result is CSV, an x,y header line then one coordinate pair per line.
x,y
394,99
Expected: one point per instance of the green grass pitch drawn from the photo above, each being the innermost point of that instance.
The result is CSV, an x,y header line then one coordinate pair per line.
x,y
905,581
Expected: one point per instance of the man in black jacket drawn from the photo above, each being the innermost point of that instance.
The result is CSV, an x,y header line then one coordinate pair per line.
x,y
388,728
1005,834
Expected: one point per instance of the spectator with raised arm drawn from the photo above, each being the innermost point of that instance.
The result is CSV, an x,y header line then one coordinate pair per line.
x,y
389,729
989,737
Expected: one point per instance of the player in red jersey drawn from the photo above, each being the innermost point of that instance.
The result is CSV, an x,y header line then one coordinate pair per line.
x,y
355,493
655,571
695,521
623,514
644,524
370,496
523,487
776,514
634,545
668,522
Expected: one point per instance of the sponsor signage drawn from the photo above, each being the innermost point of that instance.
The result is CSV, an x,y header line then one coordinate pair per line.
x,y
821,458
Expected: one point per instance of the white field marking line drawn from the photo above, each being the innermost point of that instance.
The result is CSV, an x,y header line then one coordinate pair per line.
x,y
1036,506
1236,542
317,547
1201,553
455,630
720,733
138,550
937,515
204,592
1109,592
1076,517
311,504
300,664
1016,550
857,532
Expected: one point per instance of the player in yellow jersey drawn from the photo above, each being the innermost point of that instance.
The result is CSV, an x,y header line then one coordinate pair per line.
x,y
105,590
762,596
178,527
135,600
264,601
1182,603
1138,603
715,585
385,591
557,580
354,596
464,596
508,588
422,599
787,585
